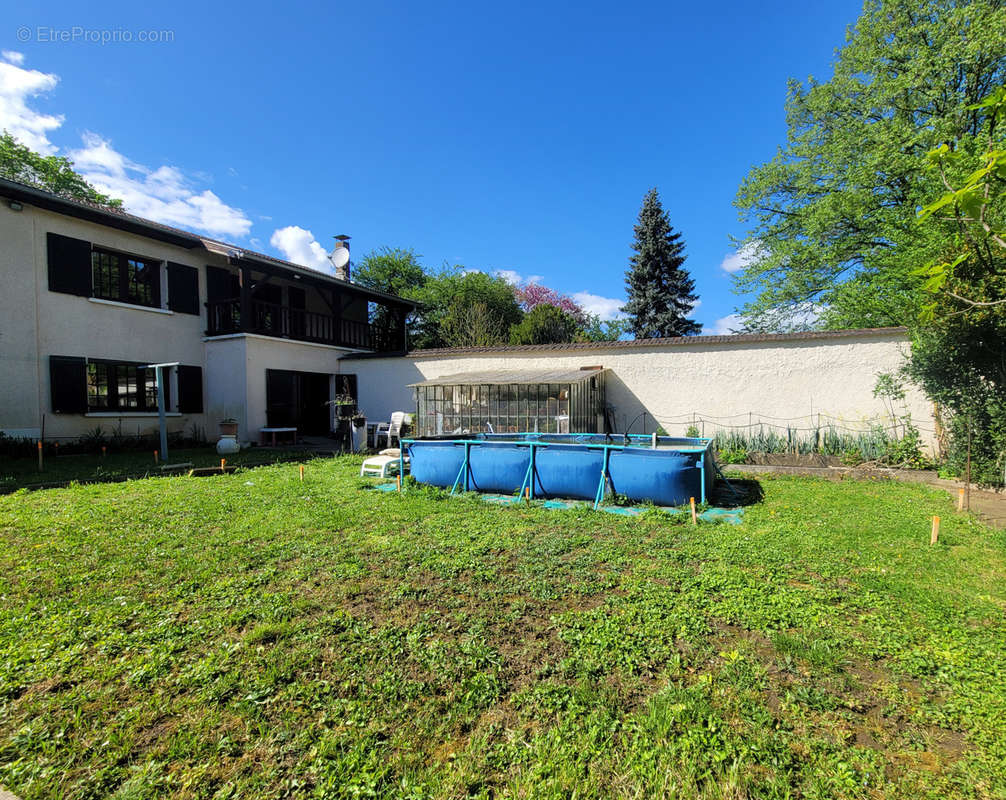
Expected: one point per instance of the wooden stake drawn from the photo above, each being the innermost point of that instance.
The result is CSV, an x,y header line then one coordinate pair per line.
x,y
223,464
156,457
967,477
39,455
398,480
960,499
103,449
695,518
935,534
55,448
527,494
302,473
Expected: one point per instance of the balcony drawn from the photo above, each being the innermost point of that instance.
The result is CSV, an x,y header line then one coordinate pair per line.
x,y
270,319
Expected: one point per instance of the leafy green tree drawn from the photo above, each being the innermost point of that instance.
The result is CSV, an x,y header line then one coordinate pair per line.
x,y
660,291
545,324
595,329
455,289
397,271
958,355
394,270
52,173
833,215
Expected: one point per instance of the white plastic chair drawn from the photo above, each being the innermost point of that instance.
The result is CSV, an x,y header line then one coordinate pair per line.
x,y
390,429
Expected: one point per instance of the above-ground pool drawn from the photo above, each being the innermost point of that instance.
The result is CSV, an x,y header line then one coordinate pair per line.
x,y
664,470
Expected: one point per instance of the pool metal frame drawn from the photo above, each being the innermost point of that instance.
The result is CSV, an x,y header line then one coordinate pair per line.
x,y
699,446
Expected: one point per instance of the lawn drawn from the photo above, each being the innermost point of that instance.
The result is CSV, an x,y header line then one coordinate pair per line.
x,y
16,473
254,636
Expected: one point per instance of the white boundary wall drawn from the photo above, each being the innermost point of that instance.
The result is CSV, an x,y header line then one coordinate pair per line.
x,y
800,382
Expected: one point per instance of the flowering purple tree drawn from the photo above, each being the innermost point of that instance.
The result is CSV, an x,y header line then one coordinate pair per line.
x,y
532,295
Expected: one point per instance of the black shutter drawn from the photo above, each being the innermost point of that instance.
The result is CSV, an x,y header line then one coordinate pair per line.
x,y
183,288
68,384
69,265
190,390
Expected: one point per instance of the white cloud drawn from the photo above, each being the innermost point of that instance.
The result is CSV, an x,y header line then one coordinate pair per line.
x,y
724,326
744,257
163,194
17,86
299,246
514,278
607,308
695,307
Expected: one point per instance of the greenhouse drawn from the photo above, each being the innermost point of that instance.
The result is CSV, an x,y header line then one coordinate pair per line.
x,y
511,401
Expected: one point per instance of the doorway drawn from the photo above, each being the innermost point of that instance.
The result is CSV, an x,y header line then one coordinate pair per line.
x,y
298,400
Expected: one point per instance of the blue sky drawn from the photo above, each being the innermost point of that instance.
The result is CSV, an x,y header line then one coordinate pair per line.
x,y
517,137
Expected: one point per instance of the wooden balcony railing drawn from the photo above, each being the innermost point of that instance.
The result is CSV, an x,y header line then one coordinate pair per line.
x,y
270,319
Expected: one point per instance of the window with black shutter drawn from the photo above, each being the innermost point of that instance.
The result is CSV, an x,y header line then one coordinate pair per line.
x,y
183,288
69,264
122,386
190,389
68,384
125,278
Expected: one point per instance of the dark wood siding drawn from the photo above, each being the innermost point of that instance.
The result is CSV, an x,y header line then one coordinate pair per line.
x,y
183,288
219,284
68,384
69,265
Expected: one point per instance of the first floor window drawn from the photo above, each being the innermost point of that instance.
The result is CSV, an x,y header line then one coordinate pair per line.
x,y
127,279
122,386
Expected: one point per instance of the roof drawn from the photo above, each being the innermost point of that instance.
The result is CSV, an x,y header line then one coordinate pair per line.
x,y
123,220
512,376
627,344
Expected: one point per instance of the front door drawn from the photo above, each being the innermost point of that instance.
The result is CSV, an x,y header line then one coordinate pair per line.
x,y
298,400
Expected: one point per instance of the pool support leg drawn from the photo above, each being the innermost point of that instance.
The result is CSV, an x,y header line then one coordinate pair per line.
x,y
603,483
463,472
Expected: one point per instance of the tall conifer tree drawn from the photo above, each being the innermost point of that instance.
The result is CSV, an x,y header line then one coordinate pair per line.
x,y
661,292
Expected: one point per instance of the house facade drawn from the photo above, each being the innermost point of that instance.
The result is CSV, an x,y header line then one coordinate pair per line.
x,y
92,297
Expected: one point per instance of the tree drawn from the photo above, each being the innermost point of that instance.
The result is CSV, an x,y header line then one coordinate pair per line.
x,y
454,289
532,295
396,271
660,291
53,173
596,329
472,325
545,324
958,355
833,215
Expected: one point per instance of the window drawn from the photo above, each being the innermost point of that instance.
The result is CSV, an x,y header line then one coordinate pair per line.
x,y
122,386
127,279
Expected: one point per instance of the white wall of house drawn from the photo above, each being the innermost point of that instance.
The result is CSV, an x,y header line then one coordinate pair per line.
x,y
36,323
728,383
19,388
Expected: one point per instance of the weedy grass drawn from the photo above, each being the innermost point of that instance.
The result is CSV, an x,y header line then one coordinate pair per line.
x,y
18,473
252,635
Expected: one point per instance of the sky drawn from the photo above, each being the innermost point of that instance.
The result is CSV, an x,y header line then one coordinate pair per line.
x,y
514,138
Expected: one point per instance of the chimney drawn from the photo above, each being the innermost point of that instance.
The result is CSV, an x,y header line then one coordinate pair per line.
x,y
340,257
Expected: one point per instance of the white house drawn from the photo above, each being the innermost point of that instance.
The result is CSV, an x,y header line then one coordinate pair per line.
x,y
91,296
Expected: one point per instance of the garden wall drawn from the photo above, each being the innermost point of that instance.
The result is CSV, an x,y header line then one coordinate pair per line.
x,y
718,383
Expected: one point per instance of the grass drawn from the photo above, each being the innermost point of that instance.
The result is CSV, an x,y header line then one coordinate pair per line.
x,y
254,636
16,473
